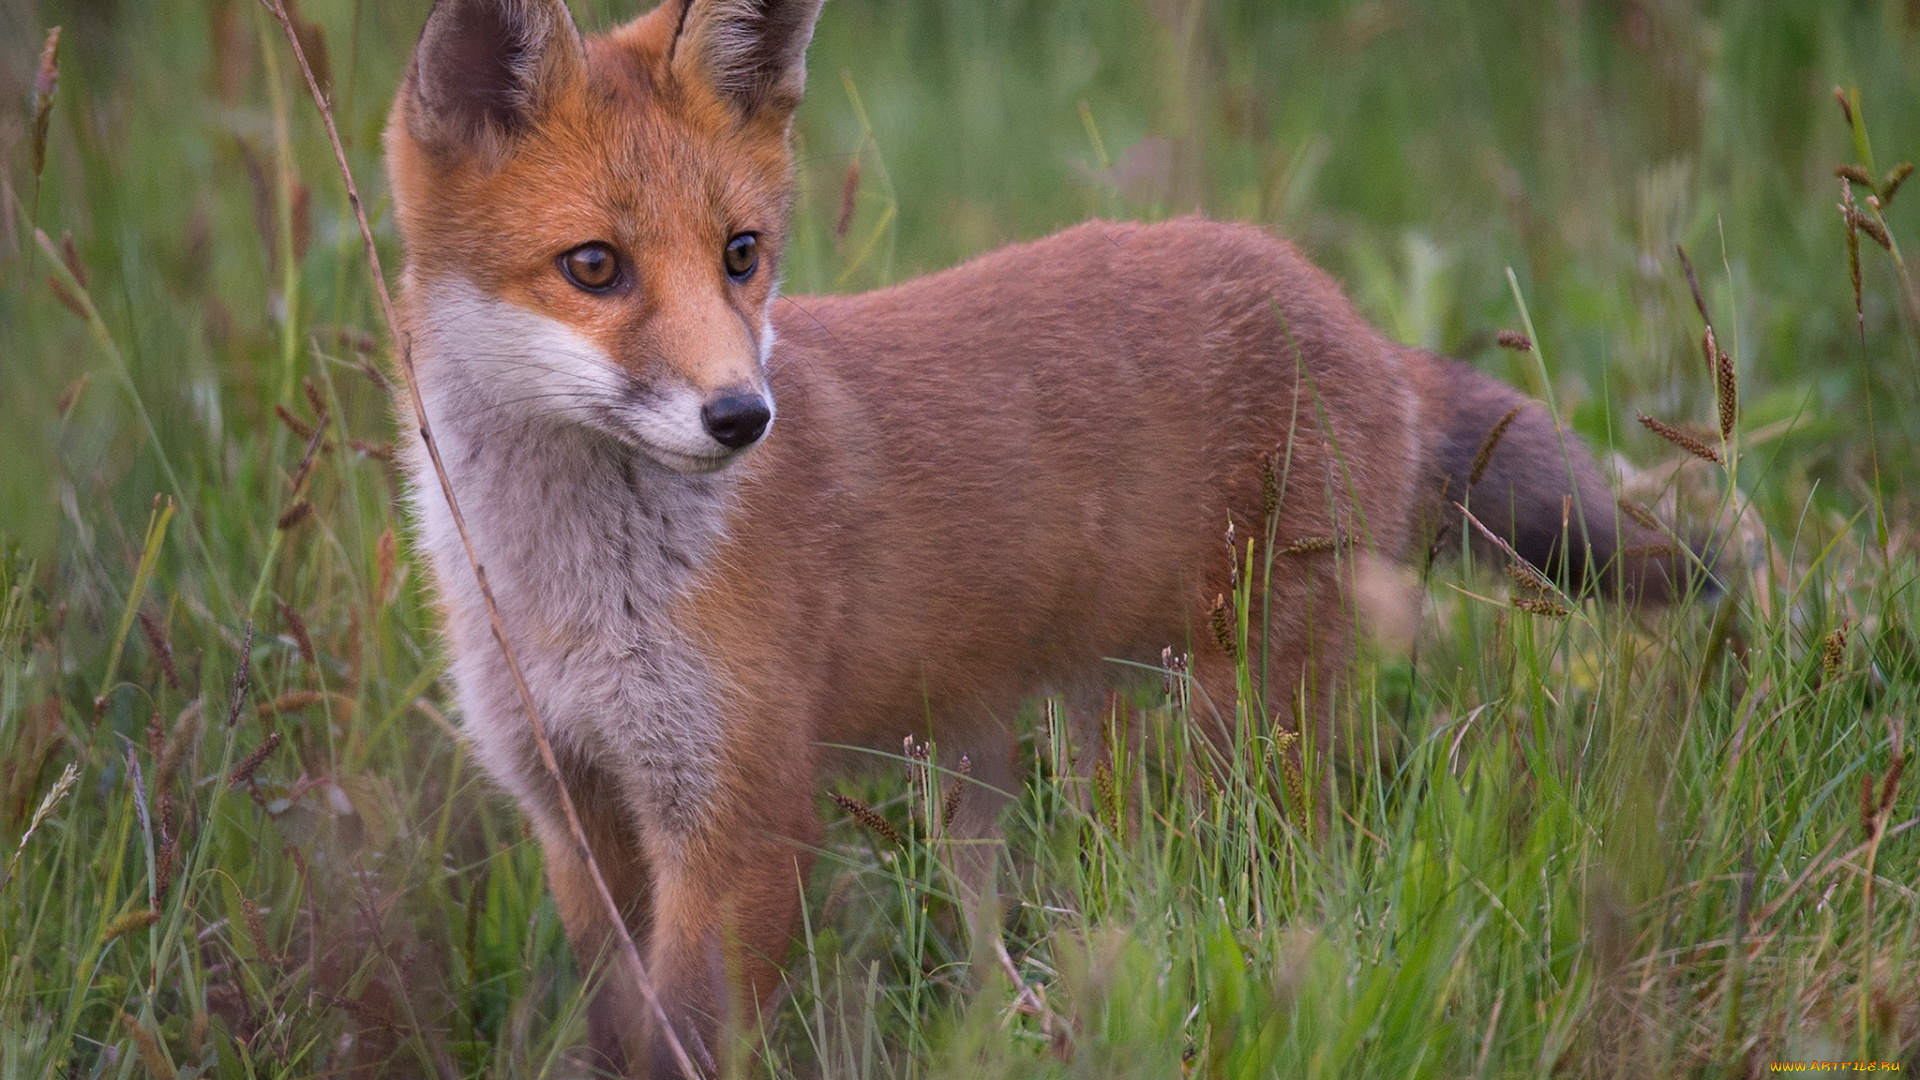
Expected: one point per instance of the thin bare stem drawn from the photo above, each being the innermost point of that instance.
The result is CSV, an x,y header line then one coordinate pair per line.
x,y
637,968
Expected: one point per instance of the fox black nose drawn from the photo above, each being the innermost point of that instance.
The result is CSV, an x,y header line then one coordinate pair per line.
x,y
736,420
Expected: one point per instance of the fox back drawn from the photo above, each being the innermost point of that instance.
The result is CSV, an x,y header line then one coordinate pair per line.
x,y
732,533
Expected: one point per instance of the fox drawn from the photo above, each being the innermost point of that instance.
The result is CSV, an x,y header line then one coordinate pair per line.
x,y
736,535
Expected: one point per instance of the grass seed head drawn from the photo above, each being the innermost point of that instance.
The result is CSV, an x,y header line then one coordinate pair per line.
x,y
67,298
238,699
868,818
1311,545
1690,443
243,772
1526,577
1221,618
1484,456
1833,652
1515,340
153,1057
1895,177
1890,787
131,922
70,258
1270,484
1640,514
298,628
951,805
1846,106
1534,605
294,515
1856,174
162,651
1727,384
46,83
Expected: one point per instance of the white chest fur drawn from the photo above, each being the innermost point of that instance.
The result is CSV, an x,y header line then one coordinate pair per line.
x,y
587,544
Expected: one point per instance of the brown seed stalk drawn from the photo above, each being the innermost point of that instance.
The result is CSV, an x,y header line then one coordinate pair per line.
x,y
238,699
1649,551
1846,106
1890,787
70,258
1727,383
1895,177
1874,230
1639,514
257,930
1270,484
1690,443
294,515
67,298
162,651
1484,456
1515,340
1526,577
298,628
243,772
46,83
1534,605
1856,174
952,804
867,817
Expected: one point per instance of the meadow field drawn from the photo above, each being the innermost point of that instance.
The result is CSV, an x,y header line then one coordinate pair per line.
x,y
240,835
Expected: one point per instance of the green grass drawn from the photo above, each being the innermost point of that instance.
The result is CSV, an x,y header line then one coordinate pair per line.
x,y
1599,845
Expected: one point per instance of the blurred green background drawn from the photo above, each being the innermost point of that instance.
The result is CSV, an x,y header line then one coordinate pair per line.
x,y
1618,798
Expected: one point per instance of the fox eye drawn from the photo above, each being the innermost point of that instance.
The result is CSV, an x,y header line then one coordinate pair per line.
x,y
592,267
743,255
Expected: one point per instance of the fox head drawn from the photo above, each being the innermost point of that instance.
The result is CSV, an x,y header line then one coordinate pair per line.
x,y
594,226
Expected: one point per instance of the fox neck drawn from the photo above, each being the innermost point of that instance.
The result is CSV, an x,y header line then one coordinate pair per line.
x,y
587,544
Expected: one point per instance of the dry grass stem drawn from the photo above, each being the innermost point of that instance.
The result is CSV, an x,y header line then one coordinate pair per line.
x,y
1693,285
849,199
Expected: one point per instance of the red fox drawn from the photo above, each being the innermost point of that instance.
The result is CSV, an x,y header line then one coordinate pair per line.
x,y
732,531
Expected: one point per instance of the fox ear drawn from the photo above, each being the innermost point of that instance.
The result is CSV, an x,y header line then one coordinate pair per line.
x,y
750,53
482,67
